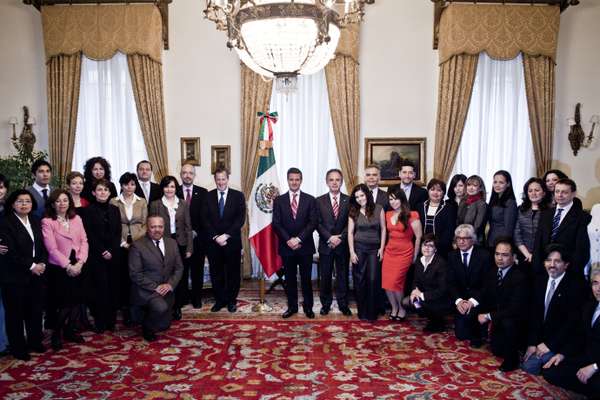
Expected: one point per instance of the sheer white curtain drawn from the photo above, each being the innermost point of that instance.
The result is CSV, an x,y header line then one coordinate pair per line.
x,y
497,133
304,133
107,122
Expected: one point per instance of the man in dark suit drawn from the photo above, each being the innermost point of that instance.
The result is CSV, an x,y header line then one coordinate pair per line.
x,y
565,224
332,208
553,310
503,304
578,370
223,216
372,177
414,193
155,269
40,190
294,220
467,268
195,197
145,189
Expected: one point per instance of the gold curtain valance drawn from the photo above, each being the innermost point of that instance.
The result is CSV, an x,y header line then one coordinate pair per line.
x,y
502,31
348,44
99,31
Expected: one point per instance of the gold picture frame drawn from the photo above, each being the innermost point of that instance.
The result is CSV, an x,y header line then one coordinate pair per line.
x,y
388,153
220,157
190,150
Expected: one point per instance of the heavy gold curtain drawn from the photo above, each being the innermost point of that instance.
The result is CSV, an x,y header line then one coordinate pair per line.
x,y
98,32
502,31
63,74
255,97
344,102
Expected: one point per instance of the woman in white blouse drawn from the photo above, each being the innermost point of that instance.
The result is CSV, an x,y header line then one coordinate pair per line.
x,y
134,211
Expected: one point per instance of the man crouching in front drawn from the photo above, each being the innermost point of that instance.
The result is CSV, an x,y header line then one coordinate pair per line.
x,y
155,268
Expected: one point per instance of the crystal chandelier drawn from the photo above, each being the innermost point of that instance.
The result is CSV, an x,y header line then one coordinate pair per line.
x,y
284,38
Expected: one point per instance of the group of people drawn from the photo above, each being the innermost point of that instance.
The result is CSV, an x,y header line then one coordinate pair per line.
x,y
516,275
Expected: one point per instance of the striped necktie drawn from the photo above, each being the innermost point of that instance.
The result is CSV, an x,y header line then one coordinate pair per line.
x,y
294,205
336,207
556,223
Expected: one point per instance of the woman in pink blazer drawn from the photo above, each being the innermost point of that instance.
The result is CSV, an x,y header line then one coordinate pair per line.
x,y
66,242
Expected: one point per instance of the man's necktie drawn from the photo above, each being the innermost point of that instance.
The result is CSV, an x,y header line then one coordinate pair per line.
x,y
221,204
336,207
499,277
555,223
146,190
549,296
466,259
188,198
294,205
596,315
45,194
157,242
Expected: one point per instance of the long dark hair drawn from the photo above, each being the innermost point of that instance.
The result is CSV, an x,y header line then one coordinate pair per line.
x,y
453,182
509,193
354,207
89,165
51,211
396,192
526,204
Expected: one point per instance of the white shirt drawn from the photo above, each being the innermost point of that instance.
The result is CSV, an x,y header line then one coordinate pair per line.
x,y
128,206
172,211
297,197
226,191
39,189
504,271
556,283
565,211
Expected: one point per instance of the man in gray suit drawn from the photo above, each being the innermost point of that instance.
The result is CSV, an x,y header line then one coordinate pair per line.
x,y
40,190
155,268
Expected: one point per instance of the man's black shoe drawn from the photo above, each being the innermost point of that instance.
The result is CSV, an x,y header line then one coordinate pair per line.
x,y
508,366
177,314
232,308
149,336
217,307
289,312
476,343
22,356
324,310
346,311
309,314
197,304
37,348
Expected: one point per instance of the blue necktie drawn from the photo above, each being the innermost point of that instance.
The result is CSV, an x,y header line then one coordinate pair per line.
x,y
466,259
221,204
555,224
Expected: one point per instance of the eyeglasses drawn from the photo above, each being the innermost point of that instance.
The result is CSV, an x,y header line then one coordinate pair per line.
x,y
21,202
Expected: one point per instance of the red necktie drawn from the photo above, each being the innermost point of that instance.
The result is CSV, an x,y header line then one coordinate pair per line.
x,y
188,199
336,207
294,205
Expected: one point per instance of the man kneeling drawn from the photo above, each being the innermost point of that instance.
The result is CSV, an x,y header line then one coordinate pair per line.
x,y
155,268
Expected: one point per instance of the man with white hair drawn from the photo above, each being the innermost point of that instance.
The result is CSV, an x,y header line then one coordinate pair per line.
x,y
466,270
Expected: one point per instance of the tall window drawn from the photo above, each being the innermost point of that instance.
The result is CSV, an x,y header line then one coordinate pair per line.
x,y
107,121
304,133
497,134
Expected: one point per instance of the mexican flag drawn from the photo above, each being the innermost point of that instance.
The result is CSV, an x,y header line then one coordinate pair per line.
x,y
265,190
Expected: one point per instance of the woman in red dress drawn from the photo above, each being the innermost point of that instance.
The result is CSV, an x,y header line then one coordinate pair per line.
x,y
403,225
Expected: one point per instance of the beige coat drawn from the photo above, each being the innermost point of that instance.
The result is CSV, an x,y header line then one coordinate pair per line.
x,y
137,225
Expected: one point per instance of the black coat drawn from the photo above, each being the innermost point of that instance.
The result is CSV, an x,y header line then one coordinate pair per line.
x,y
302,227
572,233
468,282
196,206
444,223
328,225
507,301
563,312
432,281
16,263
102,223
234,215
585,341
417,196
155,192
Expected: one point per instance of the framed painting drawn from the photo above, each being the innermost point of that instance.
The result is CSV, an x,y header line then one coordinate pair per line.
x,y
190,150
220,157
389,153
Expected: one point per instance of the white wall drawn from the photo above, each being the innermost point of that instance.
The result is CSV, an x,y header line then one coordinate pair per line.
x,y
398,75
22,72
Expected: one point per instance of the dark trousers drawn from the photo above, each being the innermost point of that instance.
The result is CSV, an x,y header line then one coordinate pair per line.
x,y
22,306
327,263
367,281
506,335
565,376
197,270
290,264
156,314
466,327
182,291
225,272
435,311
123,280
104,279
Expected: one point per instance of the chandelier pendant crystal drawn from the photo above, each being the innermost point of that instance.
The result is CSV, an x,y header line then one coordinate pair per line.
x,y
284,38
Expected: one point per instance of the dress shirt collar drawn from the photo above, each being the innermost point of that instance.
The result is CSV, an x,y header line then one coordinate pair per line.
x,y
565,209
338,196
505,271
166,202
39,188
292,195
122,198
556,280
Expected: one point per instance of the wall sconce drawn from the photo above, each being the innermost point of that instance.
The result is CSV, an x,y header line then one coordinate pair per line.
x,y
577,135
13,121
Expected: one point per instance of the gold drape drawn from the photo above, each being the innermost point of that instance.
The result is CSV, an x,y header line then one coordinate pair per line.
x,y
99,31
146,79
344,102
503,31
63,77
255,97
457,76
539,86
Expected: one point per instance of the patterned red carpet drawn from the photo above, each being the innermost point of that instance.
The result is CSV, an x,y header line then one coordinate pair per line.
x,y
270,359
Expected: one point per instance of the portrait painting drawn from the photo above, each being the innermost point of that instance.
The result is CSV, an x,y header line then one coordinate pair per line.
x,y
220,157
390,153
190,150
